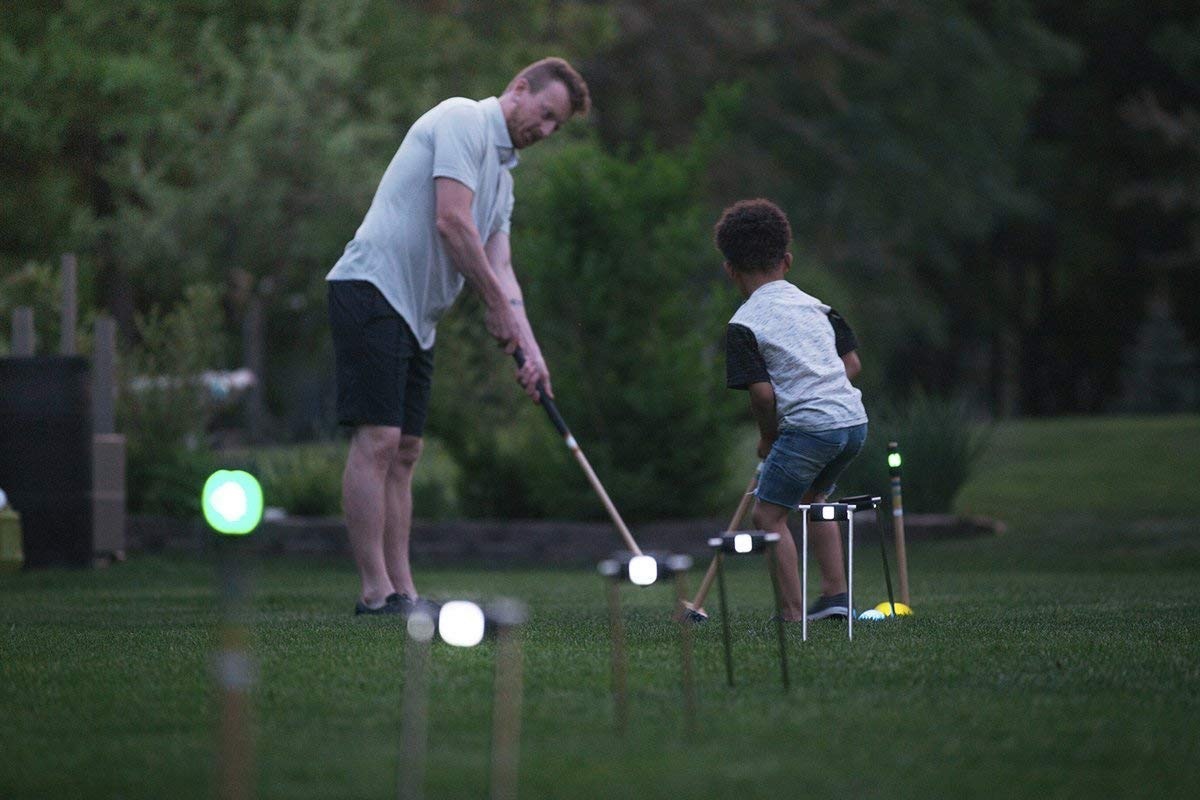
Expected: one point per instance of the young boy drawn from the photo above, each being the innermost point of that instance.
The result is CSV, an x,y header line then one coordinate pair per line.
x,y
780,347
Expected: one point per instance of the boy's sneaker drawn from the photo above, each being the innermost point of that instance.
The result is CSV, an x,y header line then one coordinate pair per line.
x,y
832,606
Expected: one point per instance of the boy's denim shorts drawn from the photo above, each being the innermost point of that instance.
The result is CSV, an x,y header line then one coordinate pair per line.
x,y
801,461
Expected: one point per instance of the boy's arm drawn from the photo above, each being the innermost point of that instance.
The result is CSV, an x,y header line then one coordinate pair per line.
x,y
853,364
746,369
846,343
762,405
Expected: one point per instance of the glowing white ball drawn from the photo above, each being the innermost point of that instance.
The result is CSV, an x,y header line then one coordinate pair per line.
x,y
461,623
230,500
643,570
827,512
743,543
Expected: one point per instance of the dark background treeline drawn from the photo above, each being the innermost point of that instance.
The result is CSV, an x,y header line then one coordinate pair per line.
x,y
1002,197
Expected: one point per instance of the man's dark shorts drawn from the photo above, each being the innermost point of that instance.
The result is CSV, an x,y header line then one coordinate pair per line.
x,y
383,375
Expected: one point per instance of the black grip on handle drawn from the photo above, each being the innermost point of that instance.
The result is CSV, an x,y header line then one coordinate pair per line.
x,y
551,410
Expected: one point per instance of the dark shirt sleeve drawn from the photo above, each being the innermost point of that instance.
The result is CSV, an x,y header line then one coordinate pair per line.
x,y
744,363
843,335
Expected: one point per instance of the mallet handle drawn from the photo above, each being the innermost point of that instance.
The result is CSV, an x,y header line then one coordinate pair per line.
x,y
561,426
734,524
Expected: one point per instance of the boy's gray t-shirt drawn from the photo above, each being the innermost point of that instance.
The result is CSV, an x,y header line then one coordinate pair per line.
x,y
397,246
783,336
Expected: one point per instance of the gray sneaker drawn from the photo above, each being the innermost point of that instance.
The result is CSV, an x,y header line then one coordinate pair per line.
x,y
832,606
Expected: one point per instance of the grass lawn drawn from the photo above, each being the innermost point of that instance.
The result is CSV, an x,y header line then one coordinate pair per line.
x,y
1059,660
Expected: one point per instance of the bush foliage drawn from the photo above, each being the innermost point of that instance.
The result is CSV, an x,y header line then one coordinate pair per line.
x,y
627,300
940,443
164,408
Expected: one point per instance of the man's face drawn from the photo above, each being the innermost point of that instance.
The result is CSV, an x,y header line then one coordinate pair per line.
x,y
537,115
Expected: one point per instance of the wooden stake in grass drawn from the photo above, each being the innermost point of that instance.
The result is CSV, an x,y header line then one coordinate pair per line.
x,y
616,638
685,657
507,616
414,715
894,470
234,669
233,504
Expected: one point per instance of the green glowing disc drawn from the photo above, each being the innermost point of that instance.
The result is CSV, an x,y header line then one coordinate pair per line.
x,y
893,460
232,501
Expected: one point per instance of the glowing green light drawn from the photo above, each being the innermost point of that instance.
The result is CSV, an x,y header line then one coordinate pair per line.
x,y
232,501
894,460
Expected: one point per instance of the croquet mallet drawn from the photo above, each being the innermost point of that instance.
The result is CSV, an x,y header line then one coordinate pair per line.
x,y
694,611
561,426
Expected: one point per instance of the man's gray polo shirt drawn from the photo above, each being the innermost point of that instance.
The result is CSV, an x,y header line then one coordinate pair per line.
x,y
397,247
783,336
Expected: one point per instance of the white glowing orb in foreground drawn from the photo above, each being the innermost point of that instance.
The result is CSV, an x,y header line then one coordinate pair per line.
x,y
460,623
643,570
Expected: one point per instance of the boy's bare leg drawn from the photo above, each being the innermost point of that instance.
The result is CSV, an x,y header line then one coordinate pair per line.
x,y
398,525
372,449
770,517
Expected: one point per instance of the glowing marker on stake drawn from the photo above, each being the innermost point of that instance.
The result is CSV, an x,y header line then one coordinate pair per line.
x,y
743,543
643,570
232,501
461,623
894,471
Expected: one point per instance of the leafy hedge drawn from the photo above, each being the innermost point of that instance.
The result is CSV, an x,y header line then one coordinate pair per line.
x,y
940,443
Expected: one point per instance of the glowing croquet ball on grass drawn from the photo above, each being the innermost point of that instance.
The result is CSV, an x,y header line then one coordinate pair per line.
x,y
871,615
461,623
232,501
643,570
901,609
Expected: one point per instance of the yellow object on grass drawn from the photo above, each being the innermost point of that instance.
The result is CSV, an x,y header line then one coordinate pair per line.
x,y
901,609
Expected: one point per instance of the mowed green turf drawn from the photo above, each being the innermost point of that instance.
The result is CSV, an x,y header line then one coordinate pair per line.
x,y
1059,660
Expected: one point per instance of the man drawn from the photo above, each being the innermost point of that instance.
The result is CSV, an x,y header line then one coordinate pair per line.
x,y
440,217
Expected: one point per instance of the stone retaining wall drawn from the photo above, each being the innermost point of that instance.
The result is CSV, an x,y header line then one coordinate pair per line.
x,y
513,542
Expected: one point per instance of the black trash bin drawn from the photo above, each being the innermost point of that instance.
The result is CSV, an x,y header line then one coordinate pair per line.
x,y
46,455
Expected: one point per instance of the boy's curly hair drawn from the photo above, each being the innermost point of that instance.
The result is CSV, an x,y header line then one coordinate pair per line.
x,y
753,235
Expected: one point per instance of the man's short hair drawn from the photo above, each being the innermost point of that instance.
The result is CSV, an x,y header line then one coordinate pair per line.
x,y
753,235
539,73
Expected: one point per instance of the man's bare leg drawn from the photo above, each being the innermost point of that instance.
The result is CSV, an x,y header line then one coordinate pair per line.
x,y
398,525
364,481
